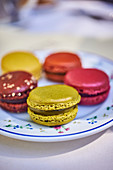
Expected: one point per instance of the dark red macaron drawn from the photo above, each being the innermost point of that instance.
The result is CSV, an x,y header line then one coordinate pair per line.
x,y
92,84
57,64
14,90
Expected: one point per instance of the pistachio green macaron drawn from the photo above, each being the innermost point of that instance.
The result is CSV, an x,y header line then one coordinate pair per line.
x,y
53,105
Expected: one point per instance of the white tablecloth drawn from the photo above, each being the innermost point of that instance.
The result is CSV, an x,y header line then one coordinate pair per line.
x,y
94,152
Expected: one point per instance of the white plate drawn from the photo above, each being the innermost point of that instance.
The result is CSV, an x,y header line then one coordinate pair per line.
x,y
90,119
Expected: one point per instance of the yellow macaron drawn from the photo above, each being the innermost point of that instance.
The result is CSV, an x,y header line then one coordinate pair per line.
x,y
53,105
21,60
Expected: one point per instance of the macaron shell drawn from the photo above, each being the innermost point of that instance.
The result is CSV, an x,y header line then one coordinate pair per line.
x,y
20,60
16,108
61,62
53,97
54,120
16,82
88,81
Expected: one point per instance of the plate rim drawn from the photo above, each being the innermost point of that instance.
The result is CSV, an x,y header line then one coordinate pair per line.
x,y
49,138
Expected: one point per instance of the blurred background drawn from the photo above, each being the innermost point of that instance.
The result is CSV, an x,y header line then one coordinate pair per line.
x,y
69,25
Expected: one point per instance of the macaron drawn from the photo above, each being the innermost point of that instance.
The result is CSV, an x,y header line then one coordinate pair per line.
x,y
92,84
53,105
14,90
57,64
20,60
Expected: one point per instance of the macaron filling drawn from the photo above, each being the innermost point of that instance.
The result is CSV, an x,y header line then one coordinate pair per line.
x,y
93,95
52,112
53,73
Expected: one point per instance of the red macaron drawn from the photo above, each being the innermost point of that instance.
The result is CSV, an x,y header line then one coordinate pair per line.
x,y
14,90
57,64
92,84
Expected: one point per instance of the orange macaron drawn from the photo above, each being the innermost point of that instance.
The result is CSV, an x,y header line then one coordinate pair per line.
x,y
57,64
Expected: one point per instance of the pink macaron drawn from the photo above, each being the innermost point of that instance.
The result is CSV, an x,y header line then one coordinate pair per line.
x,y
92,84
